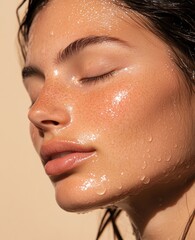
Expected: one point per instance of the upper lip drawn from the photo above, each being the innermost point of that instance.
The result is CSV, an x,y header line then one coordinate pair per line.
x,y
52,149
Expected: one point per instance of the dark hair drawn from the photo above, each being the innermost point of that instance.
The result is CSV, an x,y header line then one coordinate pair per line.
x,y
172,20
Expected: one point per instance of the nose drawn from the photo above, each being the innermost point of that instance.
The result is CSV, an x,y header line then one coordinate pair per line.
x,y
49,115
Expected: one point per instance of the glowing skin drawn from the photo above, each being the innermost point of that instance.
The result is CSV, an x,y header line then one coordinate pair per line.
x,y
139,118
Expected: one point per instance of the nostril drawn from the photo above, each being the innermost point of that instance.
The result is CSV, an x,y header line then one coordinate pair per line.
x,y
50,122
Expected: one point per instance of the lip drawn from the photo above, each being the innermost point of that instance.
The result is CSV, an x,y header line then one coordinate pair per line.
x,y
59,157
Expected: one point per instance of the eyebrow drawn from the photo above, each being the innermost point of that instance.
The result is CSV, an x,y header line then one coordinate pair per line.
x,y
78,45
72,49
30,71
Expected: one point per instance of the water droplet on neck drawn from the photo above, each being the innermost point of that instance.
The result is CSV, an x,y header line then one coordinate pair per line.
x,y
159,159
150,139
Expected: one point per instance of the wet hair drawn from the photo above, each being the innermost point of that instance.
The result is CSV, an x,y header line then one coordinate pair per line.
x,y
172,20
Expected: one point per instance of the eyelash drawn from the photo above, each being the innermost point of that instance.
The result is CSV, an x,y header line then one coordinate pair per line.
x,y
94,79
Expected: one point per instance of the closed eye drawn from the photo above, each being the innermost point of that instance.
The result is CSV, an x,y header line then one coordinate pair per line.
x,y
94,79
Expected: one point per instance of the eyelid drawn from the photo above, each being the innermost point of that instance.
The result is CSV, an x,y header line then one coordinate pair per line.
x,y
94,79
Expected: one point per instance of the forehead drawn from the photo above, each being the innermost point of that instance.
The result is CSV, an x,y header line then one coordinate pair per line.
x,y
62,22
73,17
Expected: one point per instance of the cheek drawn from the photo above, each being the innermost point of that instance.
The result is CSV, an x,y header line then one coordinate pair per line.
x,y
141,130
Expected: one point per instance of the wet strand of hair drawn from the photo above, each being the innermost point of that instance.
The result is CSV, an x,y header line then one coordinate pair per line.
x,y
110,215
188,225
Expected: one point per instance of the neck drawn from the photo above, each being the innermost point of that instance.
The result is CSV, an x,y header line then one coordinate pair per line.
x,y
163,214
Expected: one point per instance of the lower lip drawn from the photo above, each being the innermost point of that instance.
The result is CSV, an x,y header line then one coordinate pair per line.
x,y
62,165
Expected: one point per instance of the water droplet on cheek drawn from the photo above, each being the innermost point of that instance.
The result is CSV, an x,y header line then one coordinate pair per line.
x,y
144,165
55,73
98,185
85,138
119,185
100,189
168,159
145,179
187,166
119,97
150,139
87,184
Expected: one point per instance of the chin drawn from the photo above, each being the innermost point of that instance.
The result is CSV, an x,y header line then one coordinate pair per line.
x,y
71,198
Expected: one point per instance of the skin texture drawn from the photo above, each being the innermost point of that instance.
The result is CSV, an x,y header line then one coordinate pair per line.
x,y
139,119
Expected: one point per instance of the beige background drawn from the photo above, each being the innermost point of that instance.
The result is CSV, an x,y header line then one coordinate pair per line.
x,y
28,210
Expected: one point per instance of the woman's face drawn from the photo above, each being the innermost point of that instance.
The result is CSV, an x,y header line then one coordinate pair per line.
x,y
111,115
